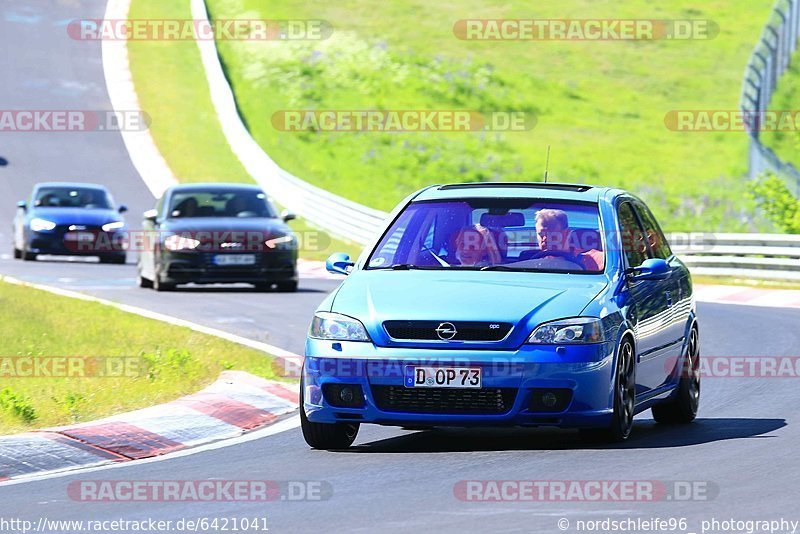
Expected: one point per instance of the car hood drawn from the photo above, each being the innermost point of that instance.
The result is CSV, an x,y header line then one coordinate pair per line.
x,y
84,216
523,299
269,226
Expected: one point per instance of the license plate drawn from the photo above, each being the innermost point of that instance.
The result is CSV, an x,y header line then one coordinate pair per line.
x,y
442,377
79,236
235,259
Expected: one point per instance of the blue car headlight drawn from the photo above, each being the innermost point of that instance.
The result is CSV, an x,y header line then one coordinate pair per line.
x,y
569,331
337,327
42,225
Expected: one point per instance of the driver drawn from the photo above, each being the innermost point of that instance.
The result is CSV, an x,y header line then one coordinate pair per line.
x,y
552,233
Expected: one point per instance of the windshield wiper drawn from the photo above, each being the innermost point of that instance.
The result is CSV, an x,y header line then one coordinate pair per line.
x,y
499,268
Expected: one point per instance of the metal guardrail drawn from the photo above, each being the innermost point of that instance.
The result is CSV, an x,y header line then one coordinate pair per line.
x,y
753,256
770,60
340,217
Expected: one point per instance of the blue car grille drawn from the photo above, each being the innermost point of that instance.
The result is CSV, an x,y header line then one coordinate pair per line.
x,y
465,330
444,401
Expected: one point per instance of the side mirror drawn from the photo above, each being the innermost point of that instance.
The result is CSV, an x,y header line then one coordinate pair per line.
x,y
22,205
652,269
150,215
122,208
339,263
287,215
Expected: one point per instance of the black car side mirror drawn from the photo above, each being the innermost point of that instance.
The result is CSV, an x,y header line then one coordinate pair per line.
x,y
287,216
150,215
122,208
22,205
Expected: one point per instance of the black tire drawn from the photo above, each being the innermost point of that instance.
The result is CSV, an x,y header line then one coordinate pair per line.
x,y
287,287
117,259
145,283
682,407
326,436
263,286
624,399
17,253
28,256
160,285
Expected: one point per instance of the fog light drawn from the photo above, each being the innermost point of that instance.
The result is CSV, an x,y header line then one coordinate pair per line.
x,y
549,400
346,395
343,395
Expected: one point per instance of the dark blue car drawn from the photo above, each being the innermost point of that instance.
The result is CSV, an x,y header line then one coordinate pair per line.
x,y
505,304
70,219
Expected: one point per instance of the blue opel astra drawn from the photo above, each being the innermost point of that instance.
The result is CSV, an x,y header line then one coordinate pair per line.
x,y
505,304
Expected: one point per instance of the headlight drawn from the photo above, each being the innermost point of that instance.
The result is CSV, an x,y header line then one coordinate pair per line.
x,y
179,242
283,240
40,225
112,226
337,327
567,331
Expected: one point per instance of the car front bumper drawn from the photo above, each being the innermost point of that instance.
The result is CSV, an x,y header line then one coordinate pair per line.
x,y
514,384
54,242
200,267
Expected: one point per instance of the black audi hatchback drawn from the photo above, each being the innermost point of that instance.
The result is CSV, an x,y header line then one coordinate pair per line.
x,y
216,233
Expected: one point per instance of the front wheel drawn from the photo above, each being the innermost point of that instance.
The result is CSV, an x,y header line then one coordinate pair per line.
x,y
325,435
682,407
17,253
624,399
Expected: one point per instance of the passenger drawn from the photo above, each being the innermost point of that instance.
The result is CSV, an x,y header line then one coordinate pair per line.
x,y
475,247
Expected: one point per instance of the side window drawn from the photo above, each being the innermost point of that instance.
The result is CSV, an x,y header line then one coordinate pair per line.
x,y
655,237
632,236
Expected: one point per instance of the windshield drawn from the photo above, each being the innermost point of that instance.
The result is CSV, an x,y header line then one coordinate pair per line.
x,y
232,203
494,234
71,197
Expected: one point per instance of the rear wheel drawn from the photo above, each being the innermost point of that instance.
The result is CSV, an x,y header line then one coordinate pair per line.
x,y
624,399
144,282
682,407
325,435
17,253
28,256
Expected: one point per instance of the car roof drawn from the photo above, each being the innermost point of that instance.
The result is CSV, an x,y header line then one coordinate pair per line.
x,y
70,184
216,186
549,191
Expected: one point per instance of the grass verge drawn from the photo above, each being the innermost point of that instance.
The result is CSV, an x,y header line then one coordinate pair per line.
x,y
171,361
171,86
601,105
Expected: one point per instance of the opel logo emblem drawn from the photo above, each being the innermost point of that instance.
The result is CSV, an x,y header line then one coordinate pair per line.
x,y
446,331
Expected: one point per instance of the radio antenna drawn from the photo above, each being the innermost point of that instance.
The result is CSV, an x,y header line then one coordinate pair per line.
x,y
547,164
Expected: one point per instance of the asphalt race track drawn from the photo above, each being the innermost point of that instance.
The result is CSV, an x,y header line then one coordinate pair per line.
x,y
738,448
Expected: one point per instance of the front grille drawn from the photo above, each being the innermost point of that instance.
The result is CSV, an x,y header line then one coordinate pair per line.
x,y
465,330
440,400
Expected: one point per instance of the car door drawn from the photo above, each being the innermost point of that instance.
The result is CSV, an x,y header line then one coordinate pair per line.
x,y
649,309
676,285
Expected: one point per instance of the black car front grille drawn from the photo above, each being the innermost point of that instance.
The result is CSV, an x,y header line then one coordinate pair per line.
x,y
444,400
465,330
